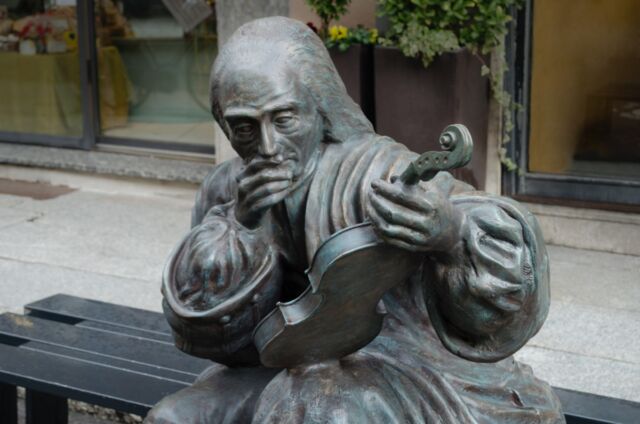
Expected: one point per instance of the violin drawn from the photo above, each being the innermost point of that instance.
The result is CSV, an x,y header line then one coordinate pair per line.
x,y
341,310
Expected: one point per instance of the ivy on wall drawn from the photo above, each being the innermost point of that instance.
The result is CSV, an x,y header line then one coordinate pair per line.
x,y
425,29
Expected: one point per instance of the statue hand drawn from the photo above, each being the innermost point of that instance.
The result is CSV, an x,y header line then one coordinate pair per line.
x,y
412,217
261,185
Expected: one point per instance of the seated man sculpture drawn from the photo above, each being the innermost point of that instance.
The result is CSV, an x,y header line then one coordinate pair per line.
x,y
310,166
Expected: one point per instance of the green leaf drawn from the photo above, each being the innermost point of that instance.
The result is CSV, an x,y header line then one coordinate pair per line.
x,y
425,29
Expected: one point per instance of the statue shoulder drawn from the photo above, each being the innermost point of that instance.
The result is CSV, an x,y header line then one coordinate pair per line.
x,y
359,144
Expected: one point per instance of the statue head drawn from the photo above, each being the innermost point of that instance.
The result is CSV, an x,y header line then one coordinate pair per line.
x,y
276,93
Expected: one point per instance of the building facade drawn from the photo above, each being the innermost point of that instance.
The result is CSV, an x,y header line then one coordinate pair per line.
x,y
132,76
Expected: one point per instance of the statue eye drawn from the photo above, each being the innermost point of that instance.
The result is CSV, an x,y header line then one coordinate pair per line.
x,y
243,130
284,118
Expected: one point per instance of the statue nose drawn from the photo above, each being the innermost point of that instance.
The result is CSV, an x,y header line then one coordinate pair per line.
x,y
268,146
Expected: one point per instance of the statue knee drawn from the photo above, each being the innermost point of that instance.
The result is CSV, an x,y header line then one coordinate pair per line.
x,y
175,409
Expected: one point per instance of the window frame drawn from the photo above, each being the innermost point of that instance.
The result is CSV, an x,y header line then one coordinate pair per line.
x,y
590,191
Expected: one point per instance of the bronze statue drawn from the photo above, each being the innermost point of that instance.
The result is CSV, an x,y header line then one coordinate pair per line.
x,y
461,277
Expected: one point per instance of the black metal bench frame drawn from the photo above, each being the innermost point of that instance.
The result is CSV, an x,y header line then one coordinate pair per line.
x,y
67,347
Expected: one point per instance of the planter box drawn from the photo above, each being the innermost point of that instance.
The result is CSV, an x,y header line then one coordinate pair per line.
x,y
414,104
355,66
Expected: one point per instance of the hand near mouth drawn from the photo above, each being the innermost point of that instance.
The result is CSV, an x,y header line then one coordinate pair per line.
x,y
263,183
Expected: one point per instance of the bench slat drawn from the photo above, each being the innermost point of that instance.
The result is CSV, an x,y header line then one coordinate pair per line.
x,y
76,308
101,326
124,347
587,408
108,361
85,381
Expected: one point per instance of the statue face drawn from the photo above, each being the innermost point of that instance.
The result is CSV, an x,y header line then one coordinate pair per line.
x,y
271,116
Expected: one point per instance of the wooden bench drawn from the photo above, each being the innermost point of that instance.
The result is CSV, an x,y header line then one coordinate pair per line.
x,y
66,347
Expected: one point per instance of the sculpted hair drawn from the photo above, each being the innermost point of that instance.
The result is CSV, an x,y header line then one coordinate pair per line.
x,y
280,39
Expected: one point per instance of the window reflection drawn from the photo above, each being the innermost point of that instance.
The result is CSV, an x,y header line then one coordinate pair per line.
x,y
153,76
39,68
585,88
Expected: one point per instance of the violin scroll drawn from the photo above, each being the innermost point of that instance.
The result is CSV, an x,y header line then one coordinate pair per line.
x,y
457,146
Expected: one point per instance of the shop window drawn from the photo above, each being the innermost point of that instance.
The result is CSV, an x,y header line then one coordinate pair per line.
x,y
577,70
585,88
153,74
40,81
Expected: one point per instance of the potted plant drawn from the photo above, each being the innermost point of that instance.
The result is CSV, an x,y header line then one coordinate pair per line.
x,y
351,50
432,70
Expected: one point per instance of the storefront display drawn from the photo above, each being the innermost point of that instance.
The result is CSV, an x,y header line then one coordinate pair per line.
x,y
147,75
167,70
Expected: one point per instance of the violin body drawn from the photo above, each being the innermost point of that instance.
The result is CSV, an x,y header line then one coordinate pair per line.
x,y
338,313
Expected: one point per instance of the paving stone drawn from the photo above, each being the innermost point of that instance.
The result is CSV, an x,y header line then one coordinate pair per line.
x,y
584,373
10,216
24,282
10,201
594,331
124,236
595,278
105,163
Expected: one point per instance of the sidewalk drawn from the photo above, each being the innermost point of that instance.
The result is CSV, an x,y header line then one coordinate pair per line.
x,y
107,246
109,241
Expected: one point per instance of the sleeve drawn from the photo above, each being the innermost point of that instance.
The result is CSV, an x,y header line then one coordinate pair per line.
x,y
489,298
218,188
220,281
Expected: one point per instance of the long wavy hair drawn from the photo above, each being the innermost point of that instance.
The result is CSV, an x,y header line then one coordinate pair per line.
x,y
281,39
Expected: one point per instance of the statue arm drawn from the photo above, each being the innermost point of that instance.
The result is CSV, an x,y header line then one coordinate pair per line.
x,y
220,280
491,296
486,271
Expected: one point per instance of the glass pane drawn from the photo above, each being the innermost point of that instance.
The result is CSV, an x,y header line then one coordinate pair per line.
x,y
585,88
39,68
153,77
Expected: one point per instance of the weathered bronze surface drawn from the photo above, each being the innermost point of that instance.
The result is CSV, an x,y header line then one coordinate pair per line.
x,y
461,277
336,315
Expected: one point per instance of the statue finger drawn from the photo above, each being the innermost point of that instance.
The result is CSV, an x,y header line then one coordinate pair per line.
x,y
250,183
265,191
249,170
497,223
503,294
418,241
402,195
398,214
270,200
397,234
502,249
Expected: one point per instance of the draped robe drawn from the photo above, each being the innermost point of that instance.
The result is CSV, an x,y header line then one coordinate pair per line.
x,y
445,350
